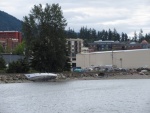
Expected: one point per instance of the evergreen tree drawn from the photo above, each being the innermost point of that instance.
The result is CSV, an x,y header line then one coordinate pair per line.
x,y
103,35
122,37
99,35
106,35
135,36
125,37
116,36
83,33
71,34
44,31
141,37
91,35
1,49
109,35
20,66
2,63
67,66
94,35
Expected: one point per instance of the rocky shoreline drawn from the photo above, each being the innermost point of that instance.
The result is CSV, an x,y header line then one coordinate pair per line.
x,y
20,78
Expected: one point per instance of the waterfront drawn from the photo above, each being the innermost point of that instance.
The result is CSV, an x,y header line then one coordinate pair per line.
x,y
77,96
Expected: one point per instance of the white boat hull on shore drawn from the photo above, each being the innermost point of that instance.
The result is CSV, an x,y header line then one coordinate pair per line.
x,y
41,76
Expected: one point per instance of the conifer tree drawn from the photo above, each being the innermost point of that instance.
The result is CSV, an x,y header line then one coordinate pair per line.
x,y
44,32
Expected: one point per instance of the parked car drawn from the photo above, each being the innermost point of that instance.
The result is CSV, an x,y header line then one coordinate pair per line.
x,y
78,70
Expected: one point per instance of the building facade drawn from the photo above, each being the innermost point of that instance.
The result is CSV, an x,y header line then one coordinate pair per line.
x,y
116,45
10,39
121,58
145,44
74,47
106,45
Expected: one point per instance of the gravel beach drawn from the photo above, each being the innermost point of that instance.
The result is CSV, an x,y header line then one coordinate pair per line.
x,y
20,78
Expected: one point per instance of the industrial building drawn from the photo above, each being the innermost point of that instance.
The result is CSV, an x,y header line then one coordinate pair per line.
x,y
10,39
121,58
109,45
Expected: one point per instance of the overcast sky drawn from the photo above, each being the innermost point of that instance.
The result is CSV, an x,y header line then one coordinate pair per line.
x,y
126,16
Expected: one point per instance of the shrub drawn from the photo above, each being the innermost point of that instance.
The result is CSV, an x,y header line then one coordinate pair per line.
x,y
20,66
2,63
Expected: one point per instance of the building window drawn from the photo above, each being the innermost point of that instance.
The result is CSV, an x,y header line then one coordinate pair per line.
x,y
73,54
73,59
73,64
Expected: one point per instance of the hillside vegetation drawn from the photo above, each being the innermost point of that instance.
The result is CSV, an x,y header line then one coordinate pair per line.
x,y
9,23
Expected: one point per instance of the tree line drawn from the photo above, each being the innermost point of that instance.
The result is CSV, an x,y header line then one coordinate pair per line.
x,y
90,35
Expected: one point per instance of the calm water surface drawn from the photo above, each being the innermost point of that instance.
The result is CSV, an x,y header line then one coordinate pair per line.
x,y
80,96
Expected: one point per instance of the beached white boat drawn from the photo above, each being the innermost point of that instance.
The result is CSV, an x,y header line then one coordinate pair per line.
x,y
41,76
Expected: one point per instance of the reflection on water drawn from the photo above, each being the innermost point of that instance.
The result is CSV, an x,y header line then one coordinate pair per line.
x,y
81,96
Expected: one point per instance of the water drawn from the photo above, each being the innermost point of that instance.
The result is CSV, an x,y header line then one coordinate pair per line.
x,y
80,96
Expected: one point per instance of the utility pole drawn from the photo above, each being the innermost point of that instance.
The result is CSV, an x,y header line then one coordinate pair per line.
x,y
121,62
112,57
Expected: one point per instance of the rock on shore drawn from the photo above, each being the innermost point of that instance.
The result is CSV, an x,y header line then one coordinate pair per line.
x,y
19,78
12,78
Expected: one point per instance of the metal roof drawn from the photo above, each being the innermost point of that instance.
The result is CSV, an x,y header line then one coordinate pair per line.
x,y
115,51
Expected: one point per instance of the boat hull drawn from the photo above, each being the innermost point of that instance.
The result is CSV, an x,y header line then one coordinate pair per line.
x,y
41,76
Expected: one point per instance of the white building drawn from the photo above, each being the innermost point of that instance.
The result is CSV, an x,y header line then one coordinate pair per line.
x,y
74,47
85,50
122,58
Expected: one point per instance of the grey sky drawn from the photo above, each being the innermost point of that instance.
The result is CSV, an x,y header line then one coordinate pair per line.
x,y
126,16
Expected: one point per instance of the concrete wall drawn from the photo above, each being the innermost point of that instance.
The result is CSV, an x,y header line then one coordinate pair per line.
x,y
122,58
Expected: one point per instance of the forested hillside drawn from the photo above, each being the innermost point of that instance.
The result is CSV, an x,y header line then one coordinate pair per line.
x,y
9,23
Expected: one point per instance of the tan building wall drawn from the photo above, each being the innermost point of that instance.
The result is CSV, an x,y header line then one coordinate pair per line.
x,y
122,59
74,47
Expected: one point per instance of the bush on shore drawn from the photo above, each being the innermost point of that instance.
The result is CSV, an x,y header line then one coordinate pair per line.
x,y
20,66
2,63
